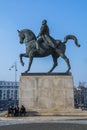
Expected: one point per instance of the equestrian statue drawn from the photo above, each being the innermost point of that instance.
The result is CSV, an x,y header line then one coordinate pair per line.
x,y
44,45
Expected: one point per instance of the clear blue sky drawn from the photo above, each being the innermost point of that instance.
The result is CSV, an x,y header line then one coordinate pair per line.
x,y
63,16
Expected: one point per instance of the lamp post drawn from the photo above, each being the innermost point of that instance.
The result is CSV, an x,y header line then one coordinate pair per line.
x,y
15,68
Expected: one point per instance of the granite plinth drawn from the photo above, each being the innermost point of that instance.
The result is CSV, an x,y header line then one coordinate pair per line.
x,y
47,94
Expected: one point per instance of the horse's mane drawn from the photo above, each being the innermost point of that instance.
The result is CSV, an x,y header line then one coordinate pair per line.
x,y
30,33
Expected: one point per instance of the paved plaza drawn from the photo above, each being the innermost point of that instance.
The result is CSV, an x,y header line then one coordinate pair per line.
x,y
45,126
43,123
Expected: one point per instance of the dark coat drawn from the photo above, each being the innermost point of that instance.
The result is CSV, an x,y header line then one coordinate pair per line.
x,y
44,30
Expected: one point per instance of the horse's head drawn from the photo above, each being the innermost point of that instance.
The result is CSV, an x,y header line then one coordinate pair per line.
x,y
21,36
26,35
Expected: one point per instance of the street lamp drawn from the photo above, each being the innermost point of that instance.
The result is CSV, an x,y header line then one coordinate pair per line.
x,y
15,67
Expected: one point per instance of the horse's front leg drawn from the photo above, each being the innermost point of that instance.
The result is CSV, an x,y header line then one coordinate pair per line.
x,y
21,56
30,62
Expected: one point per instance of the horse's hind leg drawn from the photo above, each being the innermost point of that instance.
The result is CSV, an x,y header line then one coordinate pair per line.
x,y
55,63
66,60
68,64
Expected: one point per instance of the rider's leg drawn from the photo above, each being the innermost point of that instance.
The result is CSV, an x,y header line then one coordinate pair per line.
x,y
50,42
37,45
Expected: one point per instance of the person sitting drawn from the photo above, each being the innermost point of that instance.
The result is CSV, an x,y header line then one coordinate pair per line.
x,y
10,110
22,110
16,111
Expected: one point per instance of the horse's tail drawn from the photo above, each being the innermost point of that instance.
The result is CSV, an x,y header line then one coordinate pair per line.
x,y
68,37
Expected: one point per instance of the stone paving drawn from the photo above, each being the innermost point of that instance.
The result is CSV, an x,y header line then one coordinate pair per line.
x,y
42,119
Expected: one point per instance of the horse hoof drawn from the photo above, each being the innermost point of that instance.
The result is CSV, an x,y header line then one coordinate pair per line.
x,y
49,72
26,72
79,45
68,72
22,64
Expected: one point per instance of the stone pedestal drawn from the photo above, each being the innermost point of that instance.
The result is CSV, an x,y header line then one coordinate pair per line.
x,y
47,94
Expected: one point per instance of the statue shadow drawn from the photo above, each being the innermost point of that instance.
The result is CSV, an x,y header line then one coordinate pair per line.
x,y
33,113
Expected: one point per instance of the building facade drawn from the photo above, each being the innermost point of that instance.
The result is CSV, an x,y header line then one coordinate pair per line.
x,y
80,96
9,92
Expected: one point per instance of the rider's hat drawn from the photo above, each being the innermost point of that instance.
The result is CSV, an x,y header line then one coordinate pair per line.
x,y
44,21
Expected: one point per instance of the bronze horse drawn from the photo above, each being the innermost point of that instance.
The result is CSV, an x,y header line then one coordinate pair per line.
x,y
28,37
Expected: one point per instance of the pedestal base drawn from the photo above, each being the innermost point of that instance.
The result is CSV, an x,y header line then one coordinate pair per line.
x,y
47,94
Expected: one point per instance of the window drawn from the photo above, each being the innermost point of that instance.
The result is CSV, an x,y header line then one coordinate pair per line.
x,y
0,83
0,94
